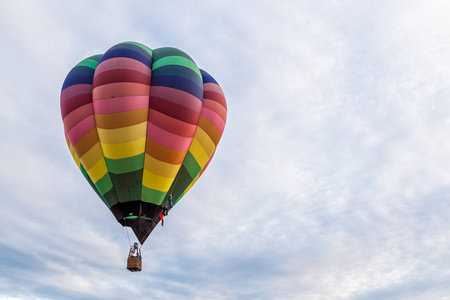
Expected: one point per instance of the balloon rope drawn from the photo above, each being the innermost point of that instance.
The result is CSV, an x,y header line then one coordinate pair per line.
x,y
125,232
129,241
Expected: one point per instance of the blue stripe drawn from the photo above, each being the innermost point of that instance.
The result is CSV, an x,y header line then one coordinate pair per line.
x,y
124,52
132,47
77,79
179,83
177,70
207,78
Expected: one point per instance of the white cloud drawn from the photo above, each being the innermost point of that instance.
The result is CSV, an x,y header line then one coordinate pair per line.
x,y
330,182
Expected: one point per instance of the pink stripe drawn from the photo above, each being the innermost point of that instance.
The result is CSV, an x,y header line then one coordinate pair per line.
x,y
168,139
212,87
77,115
120,104
122,63
176,96
214,118
80,130
75,90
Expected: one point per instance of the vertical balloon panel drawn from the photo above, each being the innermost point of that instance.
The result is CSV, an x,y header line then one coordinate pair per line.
x,y
121,90
210,128
79,125
174,110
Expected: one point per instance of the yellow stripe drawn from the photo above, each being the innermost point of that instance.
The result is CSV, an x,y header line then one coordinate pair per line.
x,y
199,153
156,182
73,153
91,157
67,141
160,168
122,135
118,151
206,142
74,156
98,170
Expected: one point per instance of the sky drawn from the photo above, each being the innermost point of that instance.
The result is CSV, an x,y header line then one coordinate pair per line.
x,y
331,181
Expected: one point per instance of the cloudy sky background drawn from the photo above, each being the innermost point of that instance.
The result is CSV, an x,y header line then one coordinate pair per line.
x,y
332,180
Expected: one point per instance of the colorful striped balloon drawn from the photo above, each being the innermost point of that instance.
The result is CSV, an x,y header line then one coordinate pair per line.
x,y
141,124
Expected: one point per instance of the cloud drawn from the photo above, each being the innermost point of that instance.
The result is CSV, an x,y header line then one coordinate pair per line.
x,y
330,181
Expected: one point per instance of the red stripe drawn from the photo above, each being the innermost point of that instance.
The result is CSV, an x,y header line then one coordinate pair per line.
x,y
216,107
220,98
81,129
122,63
214,118
168,139
170,124
75,102
75,90
174,110
74,117
176,96
120,75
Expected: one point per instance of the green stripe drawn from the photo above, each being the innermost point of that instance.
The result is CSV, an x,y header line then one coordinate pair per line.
x,y
191,165
183,180
103,188
104,184
177,60
125,165
88,63
82,70
127,185
135,191
130,193
136,217
110,198
152,196
169,51
83,171
123,195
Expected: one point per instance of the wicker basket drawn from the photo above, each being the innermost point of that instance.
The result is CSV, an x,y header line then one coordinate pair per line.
x,y
134,264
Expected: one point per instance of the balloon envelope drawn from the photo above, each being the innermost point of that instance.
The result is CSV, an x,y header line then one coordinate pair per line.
x,y
141,124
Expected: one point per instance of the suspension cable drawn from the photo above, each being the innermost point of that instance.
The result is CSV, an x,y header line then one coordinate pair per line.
x,y
125,232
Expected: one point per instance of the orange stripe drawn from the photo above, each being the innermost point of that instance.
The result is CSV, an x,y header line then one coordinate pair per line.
x,y
210,130
123,119
120,89
164,154
216,107
86,142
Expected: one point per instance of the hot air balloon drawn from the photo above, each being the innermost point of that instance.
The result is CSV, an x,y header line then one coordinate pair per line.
x,y
142,125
